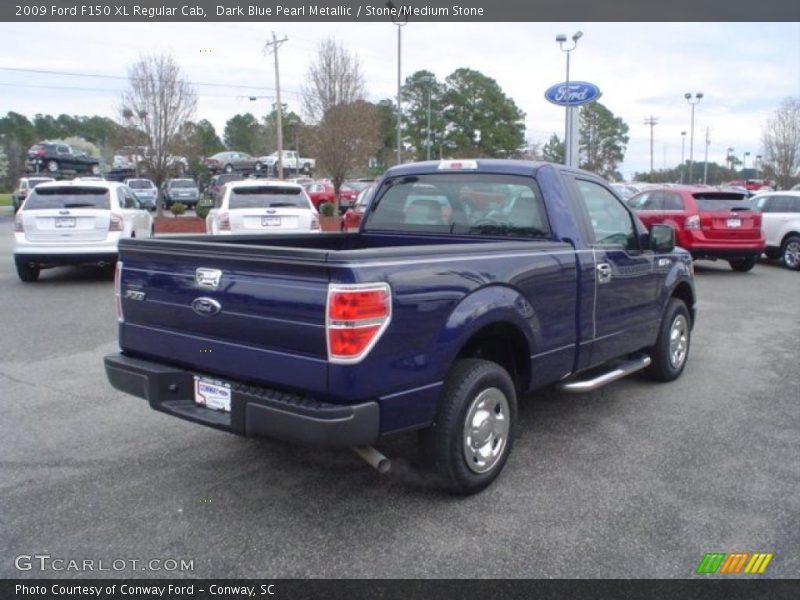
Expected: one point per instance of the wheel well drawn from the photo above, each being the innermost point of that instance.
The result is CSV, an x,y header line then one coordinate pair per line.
x,y
787,236
506,345
684,292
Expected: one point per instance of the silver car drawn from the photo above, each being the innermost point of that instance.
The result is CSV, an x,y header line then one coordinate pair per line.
x,y
145,190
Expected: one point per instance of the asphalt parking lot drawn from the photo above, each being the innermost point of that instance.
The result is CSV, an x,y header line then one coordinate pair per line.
x,y
634,480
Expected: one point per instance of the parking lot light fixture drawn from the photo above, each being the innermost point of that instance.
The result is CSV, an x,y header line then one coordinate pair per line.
x,y
692,100
569,150
400,21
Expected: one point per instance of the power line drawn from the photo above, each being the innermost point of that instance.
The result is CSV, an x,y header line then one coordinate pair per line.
x,y
89,89
120,77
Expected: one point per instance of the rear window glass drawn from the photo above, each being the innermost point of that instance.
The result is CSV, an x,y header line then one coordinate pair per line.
x,y
463,203
714,201
139,184
182,183
267,197
33,181
72,197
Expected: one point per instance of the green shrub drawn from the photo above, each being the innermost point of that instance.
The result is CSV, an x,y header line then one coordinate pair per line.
x,y
178,208
326,209
202,210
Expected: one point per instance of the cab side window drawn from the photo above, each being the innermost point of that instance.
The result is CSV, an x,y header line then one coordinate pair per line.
x,y
609,220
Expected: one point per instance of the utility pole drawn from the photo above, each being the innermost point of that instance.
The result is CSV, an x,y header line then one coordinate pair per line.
x,y
705,160
273,47
652,121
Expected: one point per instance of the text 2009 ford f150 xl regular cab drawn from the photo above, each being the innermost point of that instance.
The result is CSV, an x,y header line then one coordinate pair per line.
x,y
469,284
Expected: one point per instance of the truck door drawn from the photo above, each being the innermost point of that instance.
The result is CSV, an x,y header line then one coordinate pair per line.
x,y
625,287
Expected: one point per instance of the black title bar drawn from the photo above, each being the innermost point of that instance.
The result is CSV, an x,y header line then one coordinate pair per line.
x,y
412,10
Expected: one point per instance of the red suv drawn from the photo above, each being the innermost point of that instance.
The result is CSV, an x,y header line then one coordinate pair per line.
x,y
709,223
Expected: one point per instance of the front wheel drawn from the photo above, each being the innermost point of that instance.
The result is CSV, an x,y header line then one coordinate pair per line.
x,y
229,168
257,167
742,265
790,253
672,347
95,169
26,271
472,435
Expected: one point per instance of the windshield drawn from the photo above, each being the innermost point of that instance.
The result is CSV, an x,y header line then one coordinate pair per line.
x,y
358,185
464,203
68,197
140,184
182,183
267,197
721,201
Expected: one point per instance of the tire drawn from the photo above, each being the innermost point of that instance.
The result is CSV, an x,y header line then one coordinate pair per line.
x,y
743,265
790,253
229,168
306,169
480,393
669,355
26,273
257,167
95,169
52,166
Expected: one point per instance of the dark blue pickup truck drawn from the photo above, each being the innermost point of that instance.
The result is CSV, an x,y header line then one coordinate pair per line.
x,y
470,284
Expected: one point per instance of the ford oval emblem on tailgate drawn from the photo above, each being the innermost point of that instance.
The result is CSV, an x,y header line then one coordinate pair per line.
x,y
208,278
206,307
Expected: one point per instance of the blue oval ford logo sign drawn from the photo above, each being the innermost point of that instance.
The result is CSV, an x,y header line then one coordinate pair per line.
x,y
580,92
206,307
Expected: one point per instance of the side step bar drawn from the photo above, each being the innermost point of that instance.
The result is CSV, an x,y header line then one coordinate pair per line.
x,y
619,371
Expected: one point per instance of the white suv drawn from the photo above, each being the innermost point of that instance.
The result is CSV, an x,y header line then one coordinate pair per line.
x,y
780,221
263,206
75,223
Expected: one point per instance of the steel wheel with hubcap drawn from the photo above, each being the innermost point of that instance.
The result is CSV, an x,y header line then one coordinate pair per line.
x,y
790,253
52,166
672,347
472,435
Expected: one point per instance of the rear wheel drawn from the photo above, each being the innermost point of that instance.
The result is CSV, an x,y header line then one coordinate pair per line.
x,y
95,169
257,167
790,252
229,168
52,166
672,347
472,436
26,272
743,264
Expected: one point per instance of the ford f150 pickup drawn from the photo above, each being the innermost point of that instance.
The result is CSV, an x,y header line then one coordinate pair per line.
x,y
469,284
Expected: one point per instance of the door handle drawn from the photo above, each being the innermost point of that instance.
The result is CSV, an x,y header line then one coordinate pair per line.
x,y
603,273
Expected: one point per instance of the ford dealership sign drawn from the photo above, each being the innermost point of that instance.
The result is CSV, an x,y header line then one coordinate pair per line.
x,y
580,92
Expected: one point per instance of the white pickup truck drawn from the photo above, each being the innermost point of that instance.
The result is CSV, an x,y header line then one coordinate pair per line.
x,y
291,161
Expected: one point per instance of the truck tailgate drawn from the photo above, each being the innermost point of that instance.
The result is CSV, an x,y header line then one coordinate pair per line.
x,y
262,323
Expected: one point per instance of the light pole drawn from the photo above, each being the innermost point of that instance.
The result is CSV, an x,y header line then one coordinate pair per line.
x,y
692,100
683,154
758,164
570,151
744,162
400,21
429,80
730,157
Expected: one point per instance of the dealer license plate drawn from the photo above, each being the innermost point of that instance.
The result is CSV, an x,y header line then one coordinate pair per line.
x,y
270,221
734,222
212,394
65,222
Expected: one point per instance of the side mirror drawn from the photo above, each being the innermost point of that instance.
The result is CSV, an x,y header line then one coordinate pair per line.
x,y
662,239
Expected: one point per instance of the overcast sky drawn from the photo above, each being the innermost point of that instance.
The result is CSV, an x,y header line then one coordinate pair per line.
x,y
642,69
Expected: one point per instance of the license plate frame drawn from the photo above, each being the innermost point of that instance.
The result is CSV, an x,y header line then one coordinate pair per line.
x,y
270,221
733,223
212,394
65,223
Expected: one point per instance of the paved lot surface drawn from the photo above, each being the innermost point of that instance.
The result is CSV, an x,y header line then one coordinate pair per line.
x,y
635,480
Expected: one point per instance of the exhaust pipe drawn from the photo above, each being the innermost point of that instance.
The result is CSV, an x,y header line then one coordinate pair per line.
x,y
373,458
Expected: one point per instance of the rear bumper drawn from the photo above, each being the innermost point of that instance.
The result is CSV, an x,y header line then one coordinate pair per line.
x,y
254,411
701,247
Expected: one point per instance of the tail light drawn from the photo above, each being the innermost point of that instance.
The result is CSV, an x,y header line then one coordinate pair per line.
x,y
116,223
224,222
693,222
18,226
41,152
118,292
357,316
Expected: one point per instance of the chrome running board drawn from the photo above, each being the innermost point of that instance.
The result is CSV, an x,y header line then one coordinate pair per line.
x,y
619,371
